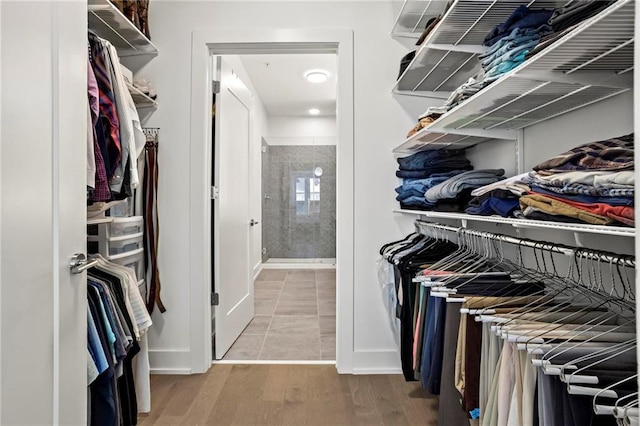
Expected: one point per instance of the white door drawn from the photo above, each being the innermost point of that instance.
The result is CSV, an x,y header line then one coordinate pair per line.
x,y
231,211
43,315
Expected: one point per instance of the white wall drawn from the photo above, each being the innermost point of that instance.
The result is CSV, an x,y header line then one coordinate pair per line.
x,y
380,124
301,130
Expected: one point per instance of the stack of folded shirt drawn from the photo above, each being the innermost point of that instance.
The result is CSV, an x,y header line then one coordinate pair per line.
x,y
500,198
510,42
567,18
593,183
454,194
425,169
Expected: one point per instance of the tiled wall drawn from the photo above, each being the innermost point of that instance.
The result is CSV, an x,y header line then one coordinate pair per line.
x,y
288,232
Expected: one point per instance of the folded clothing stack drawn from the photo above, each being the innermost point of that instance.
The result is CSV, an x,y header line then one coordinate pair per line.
x,y
425,169
509,42
567,18
592,183
500,198
454,194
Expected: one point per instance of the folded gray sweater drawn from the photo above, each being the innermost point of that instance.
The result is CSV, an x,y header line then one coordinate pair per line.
x,y
472,179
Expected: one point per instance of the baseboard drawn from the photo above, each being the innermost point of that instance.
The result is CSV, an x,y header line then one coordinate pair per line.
x,y
256,270
170,361
376,362
297,266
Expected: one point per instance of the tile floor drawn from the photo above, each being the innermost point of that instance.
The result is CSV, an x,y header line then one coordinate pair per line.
x,y
295,317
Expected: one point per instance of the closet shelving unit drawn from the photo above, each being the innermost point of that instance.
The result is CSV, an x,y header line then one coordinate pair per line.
x,y
141,99
109,23
448,57
589,64
413,17
526,223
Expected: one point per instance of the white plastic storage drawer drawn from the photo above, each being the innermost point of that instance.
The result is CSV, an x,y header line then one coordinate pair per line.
x,y
120,245
112,246
134,259
126,226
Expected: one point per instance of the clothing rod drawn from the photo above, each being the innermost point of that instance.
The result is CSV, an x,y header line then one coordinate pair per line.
x,y
556,248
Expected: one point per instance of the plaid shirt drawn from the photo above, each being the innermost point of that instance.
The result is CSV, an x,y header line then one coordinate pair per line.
x,y
108,111
611,154
578,188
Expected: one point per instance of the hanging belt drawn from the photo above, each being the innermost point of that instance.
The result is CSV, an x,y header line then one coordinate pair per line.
x,y
152,228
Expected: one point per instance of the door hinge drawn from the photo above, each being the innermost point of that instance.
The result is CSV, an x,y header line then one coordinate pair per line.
x,y
216,86
215,192
215,299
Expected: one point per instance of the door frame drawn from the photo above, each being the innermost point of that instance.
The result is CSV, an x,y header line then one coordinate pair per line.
x,y
240,41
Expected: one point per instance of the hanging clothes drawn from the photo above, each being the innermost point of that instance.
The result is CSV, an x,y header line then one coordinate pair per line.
x,y
117,321
488,334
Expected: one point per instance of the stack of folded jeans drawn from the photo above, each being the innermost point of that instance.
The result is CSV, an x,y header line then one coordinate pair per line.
x,y
567,18
509,42
424,170
500,198
592,183
522,18
454,194
576,11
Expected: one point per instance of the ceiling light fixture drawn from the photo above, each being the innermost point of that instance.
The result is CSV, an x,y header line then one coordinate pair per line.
x,y
316,76
314,111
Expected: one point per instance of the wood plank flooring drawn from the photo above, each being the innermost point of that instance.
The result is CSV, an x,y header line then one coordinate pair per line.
x,y
297,395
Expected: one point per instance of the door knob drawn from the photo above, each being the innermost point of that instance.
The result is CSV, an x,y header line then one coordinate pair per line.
x,y
79,263
253,222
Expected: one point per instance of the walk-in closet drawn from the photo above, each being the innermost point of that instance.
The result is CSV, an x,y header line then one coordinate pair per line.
x,y
432,223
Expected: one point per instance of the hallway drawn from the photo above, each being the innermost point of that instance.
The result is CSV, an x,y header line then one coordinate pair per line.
x,y
295,317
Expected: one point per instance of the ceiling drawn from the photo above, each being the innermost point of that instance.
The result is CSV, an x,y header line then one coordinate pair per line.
x,y
282,87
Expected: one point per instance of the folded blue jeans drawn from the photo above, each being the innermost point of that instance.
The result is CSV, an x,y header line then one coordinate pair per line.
x,y
509,43
503,55
506,66
419,160
522,17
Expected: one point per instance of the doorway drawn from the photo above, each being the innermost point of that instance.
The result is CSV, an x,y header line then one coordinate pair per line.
x,y
290,129
302,41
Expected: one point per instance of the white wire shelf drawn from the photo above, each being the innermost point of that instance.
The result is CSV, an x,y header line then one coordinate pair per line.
x,y
435,137
140,99
109,23
525,223
590,64
413,17
448,57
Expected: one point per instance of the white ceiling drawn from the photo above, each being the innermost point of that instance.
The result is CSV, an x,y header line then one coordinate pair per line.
x,y
282,87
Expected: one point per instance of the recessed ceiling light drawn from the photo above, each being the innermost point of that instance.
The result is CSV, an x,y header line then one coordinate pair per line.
x,y
316,76
314,111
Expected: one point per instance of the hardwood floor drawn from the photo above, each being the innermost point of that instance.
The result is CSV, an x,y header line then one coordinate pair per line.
x,y
295,395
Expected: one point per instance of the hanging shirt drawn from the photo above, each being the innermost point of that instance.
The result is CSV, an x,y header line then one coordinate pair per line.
x,y
109,123
128,113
